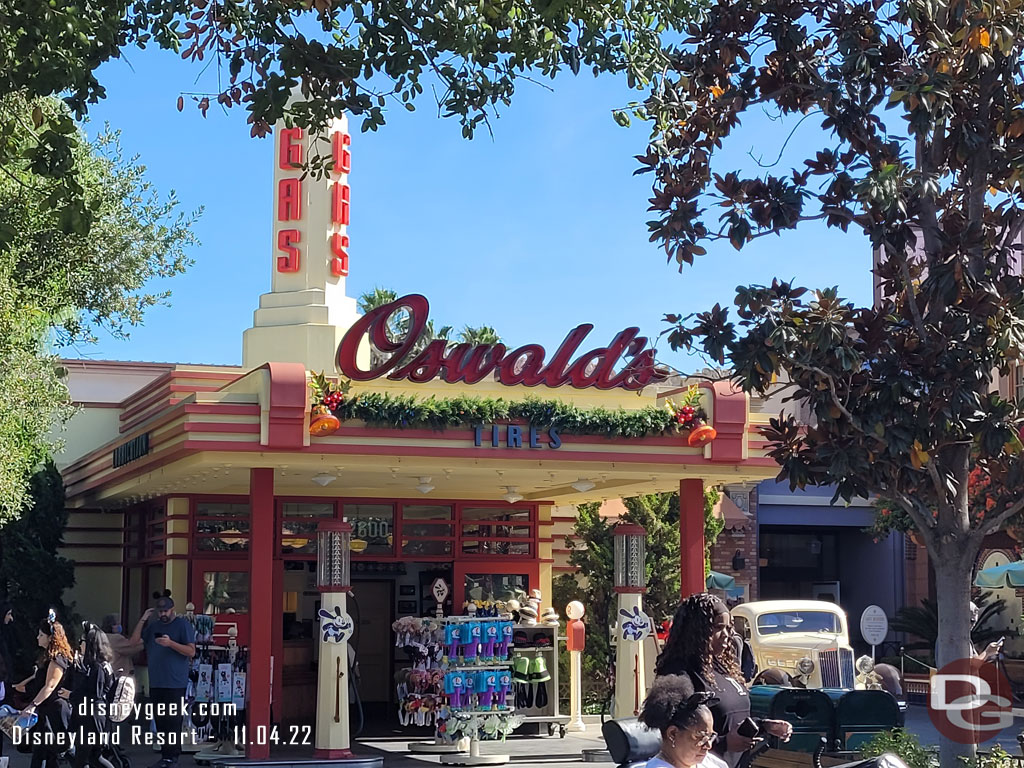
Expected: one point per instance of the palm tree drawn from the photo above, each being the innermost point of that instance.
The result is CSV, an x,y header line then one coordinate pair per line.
x,y
922,621
482,334
398,327
378,297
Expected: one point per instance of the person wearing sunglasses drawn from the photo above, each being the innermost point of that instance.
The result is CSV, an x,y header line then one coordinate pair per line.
x,y
682,717
700,646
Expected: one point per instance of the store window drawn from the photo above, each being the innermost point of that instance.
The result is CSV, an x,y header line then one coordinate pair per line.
x,y
134,536
372,528
154,531
428,530
225,591
298,526
490,587
221,527
488,531
154,583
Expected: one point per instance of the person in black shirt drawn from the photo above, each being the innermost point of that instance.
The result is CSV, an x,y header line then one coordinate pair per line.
x,y
93,679
700,646
53,710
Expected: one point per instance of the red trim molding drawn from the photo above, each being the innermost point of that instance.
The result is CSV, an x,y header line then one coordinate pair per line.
x,y
287,407
730,421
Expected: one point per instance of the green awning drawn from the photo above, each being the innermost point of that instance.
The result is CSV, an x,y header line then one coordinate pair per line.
x,y
721,581
1009,575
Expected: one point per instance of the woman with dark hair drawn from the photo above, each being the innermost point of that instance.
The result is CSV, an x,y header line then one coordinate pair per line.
x,y
682,717
93,679
52,709
700,646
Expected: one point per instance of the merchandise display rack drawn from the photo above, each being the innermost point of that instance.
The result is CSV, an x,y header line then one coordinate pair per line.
x,y
474,756
549,713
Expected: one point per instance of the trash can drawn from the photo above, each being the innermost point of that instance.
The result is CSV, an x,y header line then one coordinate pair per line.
x,y
809,711
860,715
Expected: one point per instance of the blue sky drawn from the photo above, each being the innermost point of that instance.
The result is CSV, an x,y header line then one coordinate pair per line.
x,y
533,232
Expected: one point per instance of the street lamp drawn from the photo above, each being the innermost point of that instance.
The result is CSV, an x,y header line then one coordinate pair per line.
x,y
630,558
630,579
333,580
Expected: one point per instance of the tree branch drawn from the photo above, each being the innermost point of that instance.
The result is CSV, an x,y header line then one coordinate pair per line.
x,y
940,490
832,392
911,296
991,525
924,523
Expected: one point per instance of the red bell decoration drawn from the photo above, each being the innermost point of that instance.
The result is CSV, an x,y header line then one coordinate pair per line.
x,y
323,422
702,435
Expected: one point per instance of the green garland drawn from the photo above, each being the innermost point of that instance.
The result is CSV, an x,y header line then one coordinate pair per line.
x,y
411,412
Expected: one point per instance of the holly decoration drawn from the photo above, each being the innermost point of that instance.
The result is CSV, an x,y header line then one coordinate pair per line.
x,y
327,397
328,393
402,411
689,416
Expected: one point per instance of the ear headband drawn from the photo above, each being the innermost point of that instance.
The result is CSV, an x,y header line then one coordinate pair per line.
x,y
697,700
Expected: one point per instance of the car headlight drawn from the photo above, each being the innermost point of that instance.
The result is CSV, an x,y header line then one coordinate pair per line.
x,y
865,665
805,666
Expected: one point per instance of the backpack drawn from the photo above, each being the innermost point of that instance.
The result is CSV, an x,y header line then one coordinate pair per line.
x,y
121,698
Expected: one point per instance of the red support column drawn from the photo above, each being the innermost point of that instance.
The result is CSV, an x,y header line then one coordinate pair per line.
x,y
691,536
261,582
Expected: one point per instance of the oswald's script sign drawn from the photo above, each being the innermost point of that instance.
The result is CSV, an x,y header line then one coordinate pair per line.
x,y
472,363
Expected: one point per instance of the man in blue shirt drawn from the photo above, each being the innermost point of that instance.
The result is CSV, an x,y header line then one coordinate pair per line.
x,y
170,646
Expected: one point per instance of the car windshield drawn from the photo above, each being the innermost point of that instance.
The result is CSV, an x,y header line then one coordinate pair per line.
x,y
797,621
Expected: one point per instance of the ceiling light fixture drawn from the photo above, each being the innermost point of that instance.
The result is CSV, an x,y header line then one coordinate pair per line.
x,y
513,494
323,479
583,485
424,486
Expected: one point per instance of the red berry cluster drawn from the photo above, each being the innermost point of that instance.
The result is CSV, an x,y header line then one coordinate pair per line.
x,y
686,417
333,400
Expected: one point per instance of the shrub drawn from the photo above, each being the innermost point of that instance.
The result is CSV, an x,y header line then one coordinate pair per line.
x,y
905,746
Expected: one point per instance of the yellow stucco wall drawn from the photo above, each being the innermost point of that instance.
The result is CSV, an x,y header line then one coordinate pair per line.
x,y
176,573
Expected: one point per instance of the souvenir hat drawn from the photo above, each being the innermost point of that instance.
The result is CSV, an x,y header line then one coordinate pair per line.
x,y
541,640
550,617
539,670
528,614
535,595
520,638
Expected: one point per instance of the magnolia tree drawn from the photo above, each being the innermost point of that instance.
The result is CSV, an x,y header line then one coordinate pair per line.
x,y
922,151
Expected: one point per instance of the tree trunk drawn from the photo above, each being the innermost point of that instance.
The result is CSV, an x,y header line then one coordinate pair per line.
x,y
953,567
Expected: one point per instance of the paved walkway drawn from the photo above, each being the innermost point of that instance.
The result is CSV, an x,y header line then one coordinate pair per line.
x,y
524,751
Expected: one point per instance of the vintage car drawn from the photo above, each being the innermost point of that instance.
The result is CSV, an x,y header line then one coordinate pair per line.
x,y
806,639
802,650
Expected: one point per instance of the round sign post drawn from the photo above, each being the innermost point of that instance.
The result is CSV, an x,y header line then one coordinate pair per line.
x,y
874,626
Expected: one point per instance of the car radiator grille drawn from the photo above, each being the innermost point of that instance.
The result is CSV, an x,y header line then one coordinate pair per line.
x,y
837,668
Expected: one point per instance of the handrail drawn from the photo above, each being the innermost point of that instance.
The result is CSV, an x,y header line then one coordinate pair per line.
x,y
917,661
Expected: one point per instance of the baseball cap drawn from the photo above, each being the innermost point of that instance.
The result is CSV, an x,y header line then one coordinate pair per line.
x,y
164,603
